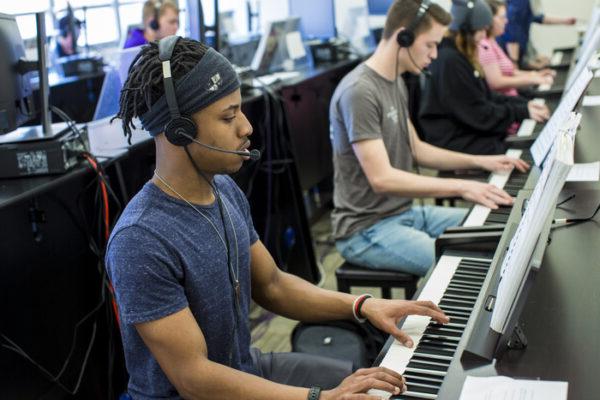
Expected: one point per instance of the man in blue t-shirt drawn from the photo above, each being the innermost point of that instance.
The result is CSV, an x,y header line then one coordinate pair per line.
x,y
516,34
185,260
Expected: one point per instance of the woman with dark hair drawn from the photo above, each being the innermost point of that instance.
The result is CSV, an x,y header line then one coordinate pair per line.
x,y
500,73
458,110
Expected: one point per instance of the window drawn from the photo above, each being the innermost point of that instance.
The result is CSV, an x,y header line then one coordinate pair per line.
x,y
99,17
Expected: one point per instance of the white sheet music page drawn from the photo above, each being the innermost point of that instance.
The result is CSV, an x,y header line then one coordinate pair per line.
x,y
542,144
587,172
504,388
515,264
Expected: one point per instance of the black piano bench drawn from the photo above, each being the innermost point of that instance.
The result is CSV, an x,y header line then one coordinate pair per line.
x,y
349,275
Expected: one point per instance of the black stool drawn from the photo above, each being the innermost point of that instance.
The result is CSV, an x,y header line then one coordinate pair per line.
x,y
349,275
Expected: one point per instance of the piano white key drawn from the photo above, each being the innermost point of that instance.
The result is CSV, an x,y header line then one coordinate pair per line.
x,y
398,356
544,87
416,395
556,58
479,213
526,128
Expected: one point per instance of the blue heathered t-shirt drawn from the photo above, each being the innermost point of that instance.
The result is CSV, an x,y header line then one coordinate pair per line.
x,y
163,256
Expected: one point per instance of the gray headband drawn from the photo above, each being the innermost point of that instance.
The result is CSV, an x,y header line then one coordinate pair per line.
x,y
210,80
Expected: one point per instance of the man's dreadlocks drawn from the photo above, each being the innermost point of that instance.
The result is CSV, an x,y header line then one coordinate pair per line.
x,y
144,84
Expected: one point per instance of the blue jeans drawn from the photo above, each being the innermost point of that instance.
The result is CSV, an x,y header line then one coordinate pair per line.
x,y
403,242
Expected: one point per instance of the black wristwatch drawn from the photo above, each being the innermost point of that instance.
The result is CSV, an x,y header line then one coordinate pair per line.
x,y
314,393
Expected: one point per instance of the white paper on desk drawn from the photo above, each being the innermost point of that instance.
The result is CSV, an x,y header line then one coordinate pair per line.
x,y
591,101
504,388
294,44
588,172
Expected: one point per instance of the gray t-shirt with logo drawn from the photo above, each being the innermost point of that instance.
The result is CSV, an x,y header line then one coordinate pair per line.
x,y
364,106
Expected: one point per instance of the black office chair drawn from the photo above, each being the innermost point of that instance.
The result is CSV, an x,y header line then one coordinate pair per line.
x,y
349,275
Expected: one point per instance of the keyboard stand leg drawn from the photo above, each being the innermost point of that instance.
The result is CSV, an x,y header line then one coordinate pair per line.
x,y
518,340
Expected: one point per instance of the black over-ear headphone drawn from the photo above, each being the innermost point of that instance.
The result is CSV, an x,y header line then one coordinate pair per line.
x,y
406,37
181,129
154,22
466,26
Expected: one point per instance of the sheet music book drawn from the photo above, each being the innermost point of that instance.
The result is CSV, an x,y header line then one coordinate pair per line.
x,y
544,142
504,388
515,265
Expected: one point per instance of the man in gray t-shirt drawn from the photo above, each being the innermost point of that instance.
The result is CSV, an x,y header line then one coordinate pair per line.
x,y
374,145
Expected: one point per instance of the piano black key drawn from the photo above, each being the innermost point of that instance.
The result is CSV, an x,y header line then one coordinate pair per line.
x,y
454,305
415,396
425,377
422,383
453,294
406,397
432,360
434,351
421,388
436,344
425,366
473,270
464,302
445,333
464,272
471,285
463,288
476,262
447,327
445,338
450,311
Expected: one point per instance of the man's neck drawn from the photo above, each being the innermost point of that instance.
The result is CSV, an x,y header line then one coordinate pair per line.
x,y
182,181
384,60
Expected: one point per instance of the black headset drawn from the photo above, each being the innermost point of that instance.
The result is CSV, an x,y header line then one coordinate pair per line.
x,y
181,129
154,22
406,37
467,26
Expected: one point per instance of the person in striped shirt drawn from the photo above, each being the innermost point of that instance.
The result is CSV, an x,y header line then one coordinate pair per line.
x,y
500,72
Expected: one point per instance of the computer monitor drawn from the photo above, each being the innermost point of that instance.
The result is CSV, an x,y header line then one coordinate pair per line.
x,y
353,25
16,98
280,47
108,101
379,7
317,18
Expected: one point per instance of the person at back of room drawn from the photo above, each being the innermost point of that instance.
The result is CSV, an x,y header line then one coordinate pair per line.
x,y
458,110
69,29
185,260
374,144
159,19
500,73
515,39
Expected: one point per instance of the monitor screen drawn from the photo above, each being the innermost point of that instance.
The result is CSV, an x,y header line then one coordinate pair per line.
x,y
317,18
16,100
379,7
353,25
108,101
280,42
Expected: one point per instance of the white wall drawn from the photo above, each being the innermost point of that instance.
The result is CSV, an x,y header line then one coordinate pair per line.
x,y
547,37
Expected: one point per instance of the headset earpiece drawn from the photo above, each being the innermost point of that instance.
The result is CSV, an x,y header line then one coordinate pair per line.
x,y
154,25
180,131
406,37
